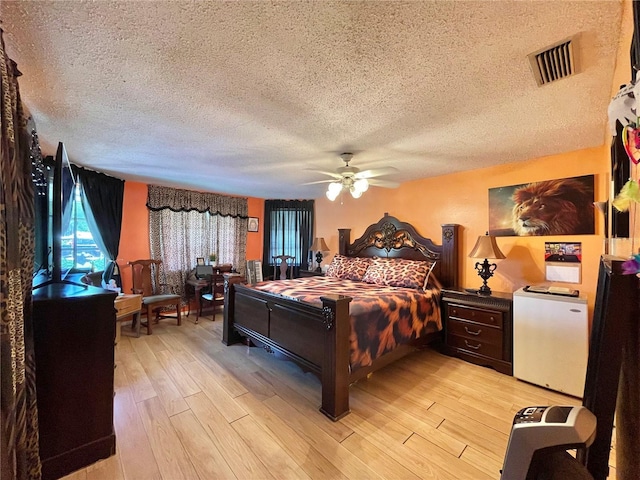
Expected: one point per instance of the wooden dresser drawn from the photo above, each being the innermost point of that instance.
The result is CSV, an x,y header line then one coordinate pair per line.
x,y
479,328
74,332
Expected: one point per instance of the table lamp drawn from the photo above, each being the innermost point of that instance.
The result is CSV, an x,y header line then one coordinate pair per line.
x,y
319,246
486,247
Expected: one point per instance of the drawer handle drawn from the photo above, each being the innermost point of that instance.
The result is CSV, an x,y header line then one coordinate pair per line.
x,y
493,319
474,347
466,329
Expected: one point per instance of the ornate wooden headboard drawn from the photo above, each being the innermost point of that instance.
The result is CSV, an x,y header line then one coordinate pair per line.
x,y
391,238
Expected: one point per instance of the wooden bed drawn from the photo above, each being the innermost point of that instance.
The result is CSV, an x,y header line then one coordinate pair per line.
x,y
317,338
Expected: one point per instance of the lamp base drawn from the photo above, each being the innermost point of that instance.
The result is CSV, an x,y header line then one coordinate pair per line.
x,y
319,261
479,291
485,271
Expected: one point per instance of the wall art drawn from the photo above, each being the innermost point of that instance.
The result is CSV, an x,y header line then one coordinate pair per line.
x,y
550,207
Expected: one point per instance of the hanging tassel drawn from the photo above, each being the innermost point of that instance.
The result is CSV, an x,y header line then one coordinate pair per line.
x,y
630,192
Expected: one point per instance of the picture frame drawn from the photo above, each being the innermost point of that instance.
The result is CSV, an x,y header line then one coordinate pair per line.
x,y
561,206
200,261
253,224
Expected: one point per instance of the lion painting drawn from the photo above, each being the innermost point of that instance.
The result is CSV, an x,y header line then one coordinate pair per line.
x,y
553,207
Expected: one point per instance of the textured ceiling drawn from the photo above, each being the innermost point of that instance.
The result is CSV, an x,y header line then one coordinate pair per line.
x,y
247,98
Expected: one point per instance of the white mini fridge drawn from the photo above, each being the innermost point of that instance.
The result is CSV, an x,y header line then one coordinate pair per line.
x,y
551,340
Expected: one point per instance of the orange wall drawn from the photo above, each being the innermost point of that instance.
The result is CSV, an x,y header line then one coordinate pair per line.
x,y
134,237
463,198
254,239
134,234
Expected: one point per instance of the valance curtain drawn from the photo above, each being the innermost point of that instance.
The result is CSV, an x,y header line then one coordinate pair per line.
x,y
162,198
288,231
185,225
102,203
19,414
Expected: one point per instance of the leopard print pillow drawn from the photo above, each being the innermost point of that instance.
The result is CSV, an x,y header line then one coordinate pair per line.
x,y
348,268
398,272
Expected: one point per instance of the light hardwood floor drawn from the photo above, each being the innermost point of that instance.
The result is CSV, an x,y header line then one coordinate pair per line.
x,y
186,406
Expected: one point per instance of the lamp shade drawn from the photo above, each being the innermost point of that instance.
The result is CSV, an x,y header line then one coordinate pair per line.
x,y
486,247
319,245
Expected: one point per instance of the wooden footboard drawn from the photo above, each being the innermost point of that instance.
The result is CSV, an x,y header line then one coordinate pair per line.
x,y
315,337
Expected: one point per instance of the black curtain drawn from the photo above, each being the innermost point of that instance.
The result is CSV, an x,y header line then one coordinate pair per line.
x,y
620,171
103,197
288,230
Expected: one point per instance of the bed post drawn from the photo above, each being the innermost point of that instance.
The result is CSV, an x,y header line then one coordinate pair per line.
x,y
449,267
344,238
335,363
229,334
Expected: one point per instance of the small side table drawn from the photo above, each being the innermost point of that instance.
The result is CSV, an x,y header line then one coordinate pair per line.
x,y
126,306
311,273
478,328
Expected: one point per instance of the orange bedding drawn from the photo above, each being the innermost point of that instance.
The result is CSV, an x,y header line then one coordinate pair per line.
x,y
381,317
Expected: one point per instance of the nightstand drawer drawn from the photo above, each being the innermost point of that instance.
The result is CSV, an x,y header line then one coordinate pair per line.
x,y
476,346
486,317
475,332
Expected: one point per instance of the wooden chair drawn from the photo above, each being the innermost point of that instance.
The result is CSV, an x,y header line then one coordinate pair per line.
x,y
281,265
214,296
146,282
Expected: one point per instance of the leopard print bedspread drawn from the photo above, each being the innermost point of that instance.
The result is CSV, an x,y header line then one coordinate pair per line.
x,y
381,317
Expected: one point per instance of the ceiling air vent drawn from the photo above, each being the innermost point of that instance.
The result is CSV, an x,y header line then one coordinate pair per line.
x,y
554,63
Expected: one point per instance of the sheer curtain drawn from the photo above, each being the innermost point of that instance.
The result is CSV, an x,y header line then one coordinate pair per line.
x,y
185,225
288,231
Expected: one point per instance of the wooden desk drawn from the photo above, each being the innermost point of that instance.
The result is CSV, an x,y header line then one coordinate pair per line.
x,y
194,285
126,306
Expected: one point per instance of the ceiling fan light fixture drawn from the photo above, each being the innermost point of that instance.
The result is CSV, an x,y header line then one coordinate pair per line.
x,y
335,187
334,190
331,196
355,193
352,180
362,185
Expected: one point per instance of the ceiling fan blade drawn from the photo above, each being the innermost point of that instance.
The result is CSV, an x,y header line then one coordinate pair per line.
x,y
383,183
324,172
376,172
319,181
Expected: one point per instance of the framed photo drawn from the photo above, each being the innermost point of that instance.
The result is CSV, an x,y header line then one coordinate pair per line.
x,y
252,225
200,261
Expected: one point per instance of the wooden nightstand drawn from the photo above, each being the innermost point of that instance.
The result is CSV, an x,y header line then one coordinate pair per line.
x,y
310,273
478,328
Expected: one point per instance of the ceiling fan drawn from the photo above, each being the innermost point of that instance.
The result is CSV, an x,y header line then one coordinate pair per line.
x,y
354,180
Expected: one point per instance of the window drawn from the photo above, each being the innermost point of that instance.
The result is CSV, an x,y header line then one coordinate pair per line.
x,y
284,238
79,249
288,231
